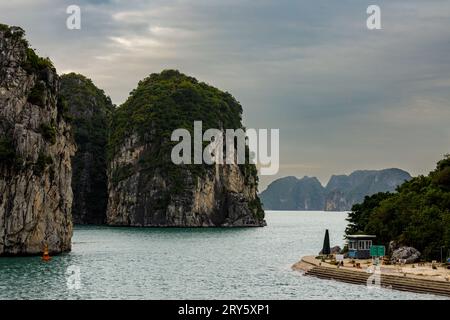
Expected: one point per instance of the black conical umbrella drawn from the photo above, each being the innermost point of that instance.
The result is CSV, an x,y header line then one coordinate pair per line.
x,y
326,244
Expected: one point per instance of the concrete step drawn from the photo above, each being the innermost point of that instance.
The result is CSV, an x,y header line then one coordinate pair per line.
x,y
397,283
385,278
426,283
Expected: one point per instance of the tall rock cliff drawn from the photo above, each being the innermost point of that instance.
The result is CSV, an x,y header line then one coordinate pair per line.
x,y
91,112
35,150
290,193
147,189
345,191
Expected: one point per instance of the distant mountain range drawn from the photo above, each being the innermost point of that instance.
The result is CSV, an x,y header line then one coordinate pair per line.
x,y
340,194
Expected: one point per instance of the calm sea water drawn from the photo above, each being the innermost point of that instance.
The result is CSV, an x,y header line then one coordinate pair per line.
x,y
130,263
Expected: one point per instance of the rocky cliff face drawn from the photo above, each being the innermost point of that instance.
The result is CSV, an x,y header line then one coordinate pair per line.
x,y
91,112
290,193
340,194
345,191
35,150
147,189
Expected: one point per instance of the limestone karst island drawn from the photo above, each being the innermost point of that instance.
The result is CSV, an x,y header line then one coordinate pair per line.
x,y
65,147
224,156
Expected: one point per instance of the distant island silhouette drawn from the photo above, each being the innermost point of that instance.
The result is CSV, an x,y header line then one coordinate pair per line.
x,y
340,193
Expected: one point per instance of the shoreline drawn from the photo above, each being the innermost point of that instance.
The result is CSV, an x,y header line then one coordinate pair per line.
x,y
406,278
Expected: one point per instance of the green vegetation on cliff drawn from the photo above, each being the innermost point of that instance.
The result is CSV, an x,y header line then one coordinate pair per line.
x,y
40,95
49,132
36,147
90,112
169,100
16,33
33,64
160,104
37,95
42,163
36,64
417,215
7,151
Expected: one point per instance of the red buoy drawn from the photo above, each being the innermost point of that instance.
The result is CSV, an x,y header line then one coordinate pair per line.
x,y
46,256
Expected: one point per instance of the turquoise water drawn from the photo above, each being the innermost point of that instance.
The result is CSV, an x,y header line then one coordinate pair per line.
x,y
129,263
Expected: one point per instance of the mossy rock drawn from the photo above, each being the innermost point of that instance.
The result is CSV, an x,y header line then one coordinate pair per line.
x,y
49,132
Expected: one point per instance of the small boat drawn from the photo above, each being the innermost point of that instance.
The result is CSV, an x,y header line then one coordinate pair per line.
x,y
46,256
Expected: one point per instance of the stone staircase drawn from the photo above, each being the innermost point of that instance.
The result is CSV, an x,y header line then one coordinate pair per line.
x,y
387,281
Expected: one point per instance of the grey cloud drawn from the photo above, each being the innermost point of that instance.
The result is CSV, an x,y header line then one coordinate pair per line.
x,y
343,97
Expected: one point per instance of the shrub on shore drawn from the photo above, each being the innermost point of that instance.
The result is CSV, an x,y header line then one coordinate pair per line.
x,y
417,215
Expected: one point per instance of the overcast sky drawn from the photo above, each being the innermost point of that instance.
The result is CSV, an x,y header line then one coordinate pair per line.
x,y
344,97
